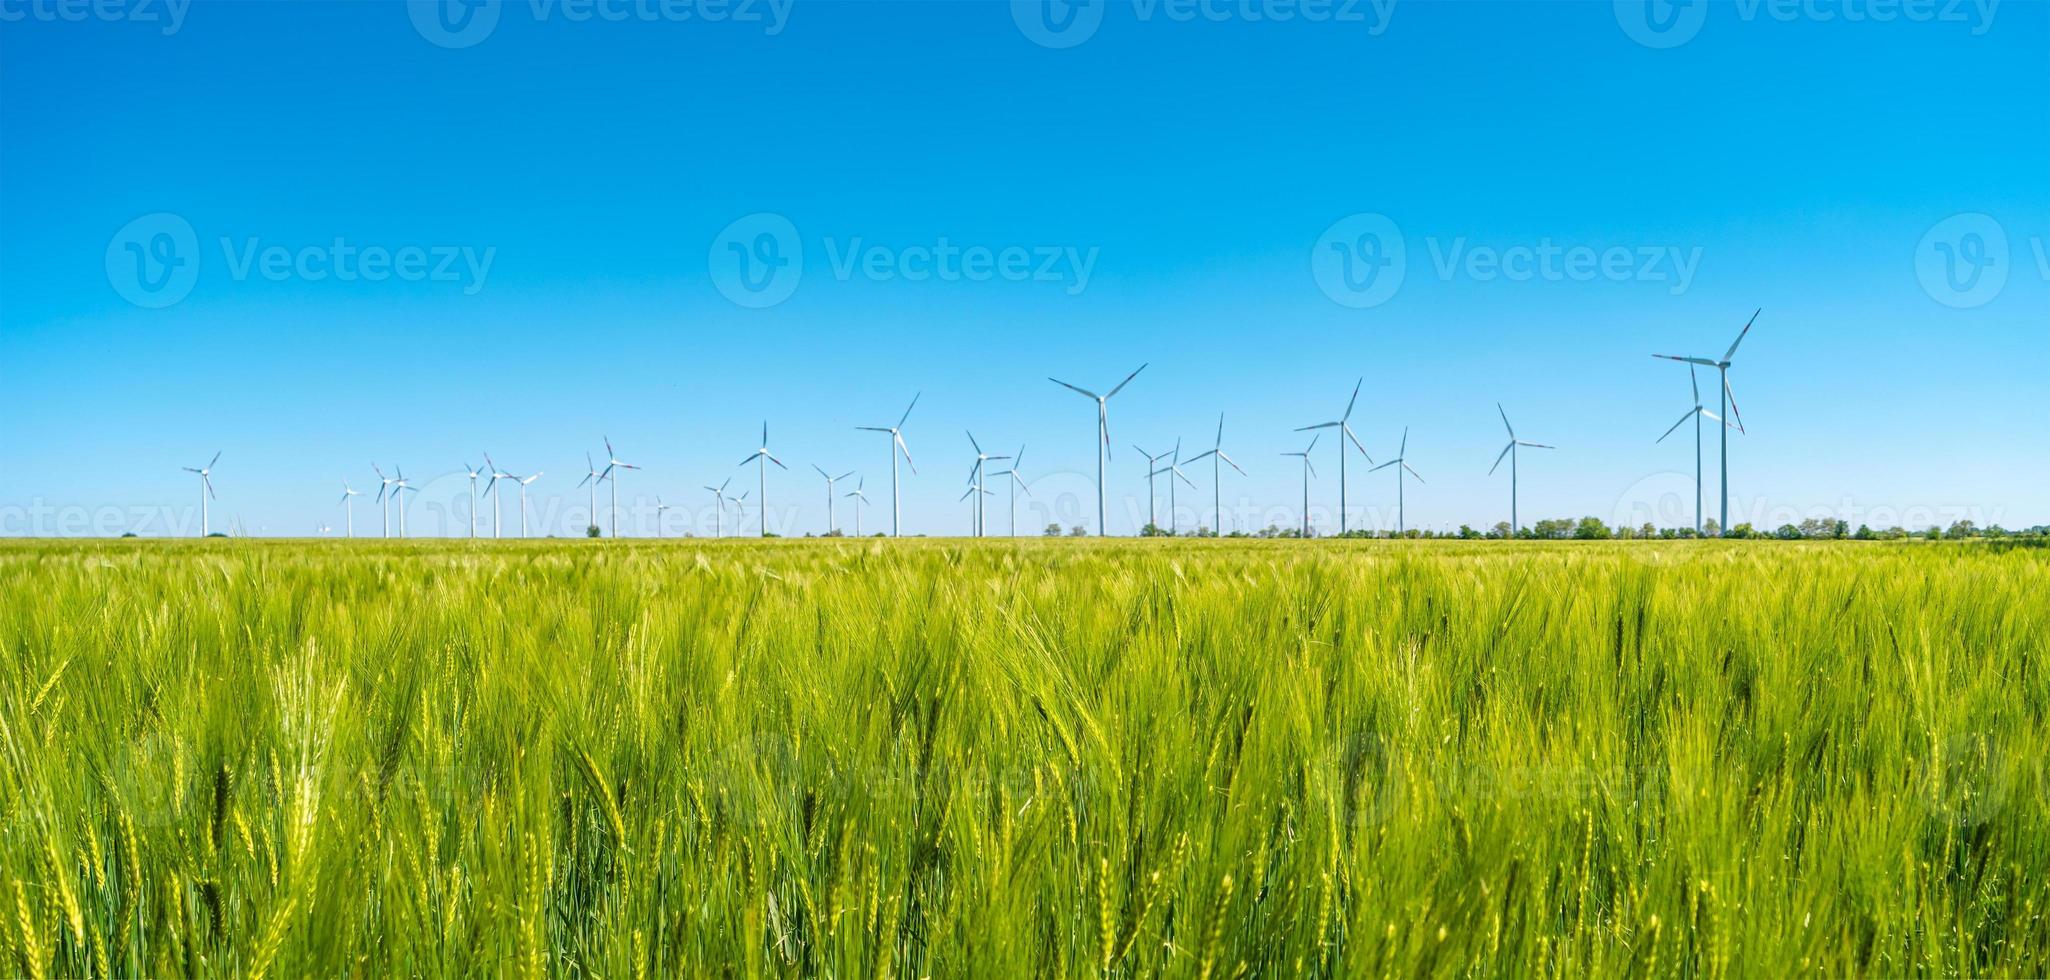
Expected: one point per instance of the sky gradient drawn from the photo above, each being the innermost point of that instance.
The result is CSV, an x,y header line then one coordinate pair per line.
x,y
580,209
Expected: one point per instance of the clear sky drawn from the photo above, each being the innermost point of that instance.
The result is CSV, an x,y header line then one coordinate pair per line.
x,y
314,236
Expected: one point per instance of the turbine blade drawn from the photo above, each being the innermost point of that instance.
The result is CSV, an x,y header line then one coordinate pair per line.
x,y
1414,473
1320,425
1206,454
972,442
1312,466
210,463
1228,461
1735,415
1742,333
1505,421
1354,401
1220,430
773,459
1536,445
1122,384
1347,429
608,447
1404,451
908,408
1703,361
1677,425
1383,466
822,472
1499,459
1082,391
906,450
1694,379
1313,443
870,428
843,476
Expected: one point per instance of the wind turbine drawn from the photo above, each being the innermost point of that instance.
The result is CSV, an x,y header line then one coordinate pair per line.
x,y
399,486
975,478
660,509
349,504
719,508
474,474
1174,469
1216,453
613,462
975,512
1345,432
592,477
1696,414
762,458
832,524
896,446
1510,451
384,495
1309,470
1017,483
1152,497
524,482
1722,369
740,508
1401,462
859,499
206,490
492,489
1102,436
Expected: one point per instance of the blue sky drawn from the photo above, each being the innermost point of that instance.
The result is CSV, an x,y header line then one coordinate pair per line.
x,y
557,192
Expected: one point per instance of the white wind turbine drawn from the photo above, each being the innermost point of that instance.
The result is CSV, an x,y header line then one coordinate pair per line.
x,y
474,474
349,495
1017,483
832,522
399,486
975,479
1696,413
592,477
1152,496
1510,451
492,489
613,462
385,494
859,500
660,509
896,446
524,482
1174,472
740,509
1345,435
975,509
1216,453
1102,436
1722,369
719,508
762,458
1309,470
206,491
1401,462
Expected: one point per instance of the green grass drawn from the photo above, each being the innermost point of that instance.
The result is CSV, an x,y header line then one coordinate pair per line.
x,y
869,759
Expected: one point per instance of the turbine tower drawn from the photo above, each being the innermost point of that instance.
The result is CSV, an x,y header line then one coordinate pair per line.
x,y
1401,462
1102,436
975,478
613,462
859,499
1309,470
474,474
1216,453
1174,471
492,489
524,482
349,495
206,491
1152,496
896,446
399,486
1345,434
762,458
719,508
660,509
592,477
832,522
1510,451
1722,369
1017,483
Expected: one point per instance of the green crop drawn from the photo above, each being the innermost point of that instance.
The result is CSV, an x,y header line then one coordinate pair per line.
x,y
892,758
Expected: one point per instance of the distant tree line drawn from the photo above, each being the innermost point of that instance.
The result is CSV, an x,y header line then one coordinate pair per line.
x,y
1595,529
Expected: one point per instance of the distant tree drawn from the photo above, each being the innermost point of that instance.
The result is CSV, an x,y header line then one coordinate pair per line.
x,y
1963,529
1788,532
1078,531
1647,531
592,531
1052,531
1152,530
1864,533
1710,527
1742,531
1591,529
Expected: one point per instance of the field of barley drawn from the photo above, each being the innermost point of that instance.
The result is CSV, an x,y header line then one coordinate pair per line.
x,y
861,758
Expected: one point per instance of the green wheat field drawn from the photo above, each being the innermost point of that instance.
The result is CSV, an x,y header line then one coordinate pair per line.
x,y
861,758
